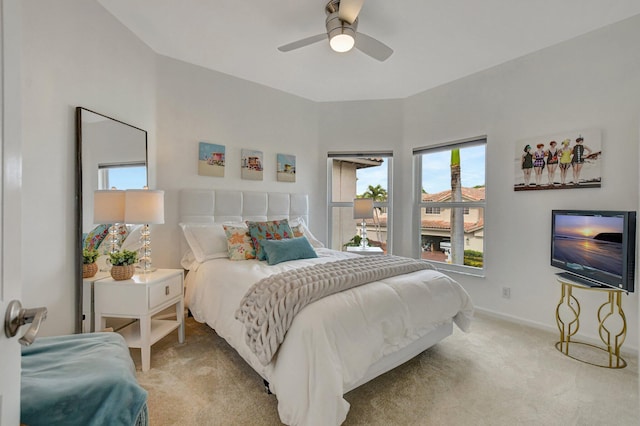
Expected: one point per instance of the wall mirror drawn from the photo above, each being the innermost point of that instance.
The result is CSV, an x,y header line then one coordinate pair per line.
x,y
110,153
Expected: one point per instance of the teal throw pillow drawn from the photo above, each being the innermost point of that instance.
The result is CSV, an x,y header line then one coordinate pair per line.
x,y
277,251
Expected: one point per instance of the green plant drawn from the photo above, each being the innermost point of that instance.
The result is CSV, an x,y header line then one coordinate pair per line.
x,y
473,258
124,257
89,256
354,242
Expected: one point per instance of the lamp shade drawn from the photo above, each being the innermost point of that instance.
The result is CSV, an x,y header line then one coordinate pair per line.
x,y
144,206
363,208
108,206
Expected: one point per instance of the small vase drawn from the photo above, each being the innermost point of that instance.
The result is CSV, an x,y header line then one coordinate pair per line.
x,y
122,272
89,269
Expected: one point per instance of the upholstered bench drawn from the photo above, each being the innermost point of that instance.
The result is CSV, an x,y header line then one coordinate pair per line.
x,y
81,379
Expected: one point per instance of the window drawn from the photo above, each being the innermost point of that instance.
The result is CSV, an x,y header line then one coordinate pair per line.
x,y
451,203
122,176
359,175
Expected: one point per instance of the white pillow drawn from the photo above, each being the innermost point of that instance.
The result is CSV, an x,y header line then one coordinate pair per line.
x,y
132,242
206,240
299,222
188,261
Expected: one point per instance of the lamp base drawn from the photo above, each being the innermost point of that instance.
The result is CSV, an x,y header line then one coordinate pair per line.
x,y
144,263
364,235
114,247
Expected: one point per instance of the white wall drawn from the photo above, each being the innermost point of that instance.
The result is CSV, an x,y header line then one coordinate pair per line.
x,y
74,54
197,105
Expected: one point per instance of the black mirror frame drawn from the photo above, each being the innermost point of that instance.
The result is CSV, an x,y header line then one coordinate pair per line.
x,y
79,212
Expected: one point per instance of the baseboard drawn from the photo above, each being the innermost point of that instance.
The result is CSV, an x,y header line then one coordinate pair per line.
x,y
627,350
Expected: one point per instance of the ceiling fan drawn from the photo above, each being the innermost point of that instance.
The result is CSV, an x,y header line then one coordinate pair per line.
x,y
342,25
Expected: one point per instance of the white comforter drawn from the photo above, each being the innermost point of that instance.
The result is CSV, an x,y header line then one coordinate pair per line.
x,y
333,341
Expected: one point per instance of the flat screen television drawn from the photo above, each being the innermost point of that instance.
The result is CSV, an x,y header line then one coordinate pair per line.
x,y
596,248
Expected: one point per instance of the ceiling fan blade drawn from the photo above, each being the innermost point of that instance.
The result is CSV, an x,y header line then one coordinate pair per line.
x,y
349,9
302,43
373,47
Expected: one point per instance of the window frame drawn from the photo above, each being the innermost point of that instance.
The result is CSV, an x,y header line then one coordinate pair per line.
x,y
422,205
331,156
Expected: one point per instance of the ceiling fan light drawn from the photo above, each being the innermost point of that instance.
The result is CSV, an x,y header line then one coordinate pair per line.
x,y
342,42
342,35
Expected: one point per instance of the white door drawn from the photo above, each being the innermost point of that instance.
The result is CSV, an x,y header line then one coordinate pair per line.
x,y
10,223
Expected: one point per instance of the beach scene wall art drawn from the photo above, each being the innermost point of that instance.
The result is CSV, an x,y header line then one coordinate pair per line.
x,y
566,160
211,159
286,167
251,166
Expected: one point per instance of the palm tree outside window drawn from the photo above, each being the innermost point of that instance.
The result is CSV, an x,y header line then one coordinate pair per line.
x,y
451,204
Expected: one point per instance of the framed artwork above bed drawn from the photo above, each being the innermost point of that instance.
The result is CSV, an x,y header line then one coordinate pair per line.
x,y
251,164
286,167
211,159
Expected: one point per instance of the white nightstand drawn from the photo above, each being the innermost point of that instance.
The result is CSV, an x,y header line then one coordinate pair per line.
x,y
365,250
142,297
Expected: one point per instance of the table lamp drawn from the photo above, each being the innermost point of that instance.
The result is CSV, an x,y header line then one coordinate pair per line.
x,y
144,207
363,209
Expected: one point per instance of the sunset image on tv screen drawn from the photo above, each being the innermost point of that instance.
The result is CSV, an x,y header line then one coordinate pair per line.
x,y
589,242
587,226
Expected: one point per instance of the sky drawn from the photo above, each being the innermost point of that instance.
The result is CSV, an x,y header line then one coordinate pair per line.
x,y
587,226
371,176
128,177
436,169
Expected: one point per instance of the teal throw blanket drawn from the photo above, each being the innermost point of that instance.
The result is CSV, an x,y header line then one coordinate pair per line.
x,y
81,379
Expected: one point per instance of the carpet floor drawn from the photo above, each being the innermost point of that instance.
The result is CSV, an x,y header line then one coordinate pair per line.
x,y
501,373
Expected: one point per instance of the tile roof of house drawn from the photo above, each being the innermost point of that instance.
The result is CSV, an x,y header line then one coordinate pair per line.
x,y
445,224
471,194
430,223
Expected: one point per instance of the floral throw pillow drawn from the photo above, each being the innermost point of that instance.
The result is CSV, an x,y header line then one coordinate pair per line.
x,y
239,244
121,234
95,237
271,230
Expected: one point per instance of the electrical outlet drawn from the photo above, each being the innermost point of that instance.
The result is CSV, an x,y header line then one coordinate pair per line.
x,y
506,292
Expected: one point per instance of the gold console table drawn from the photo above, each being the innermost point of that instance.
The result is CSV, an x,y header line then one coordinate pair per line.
x,y
608,310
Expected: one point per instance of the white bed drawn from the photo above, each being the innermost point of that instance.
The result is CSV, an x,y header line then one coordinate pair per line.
x,y
334,344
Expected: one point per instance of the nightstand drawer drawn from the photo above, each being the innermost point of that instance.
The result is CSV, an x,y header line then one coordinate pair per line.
x,y
164,291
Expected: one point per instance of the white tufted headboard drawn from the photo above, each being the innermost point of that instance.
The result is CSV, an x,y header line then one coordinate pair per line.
x,y
209,206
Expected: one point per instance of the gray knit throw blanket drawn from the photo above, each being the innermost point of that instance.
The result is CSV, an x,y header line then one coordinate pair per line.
x,y
268,308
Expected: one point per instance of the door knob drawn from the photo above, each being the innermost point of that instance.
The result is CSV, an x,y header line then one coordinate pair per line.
x,y
17,316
